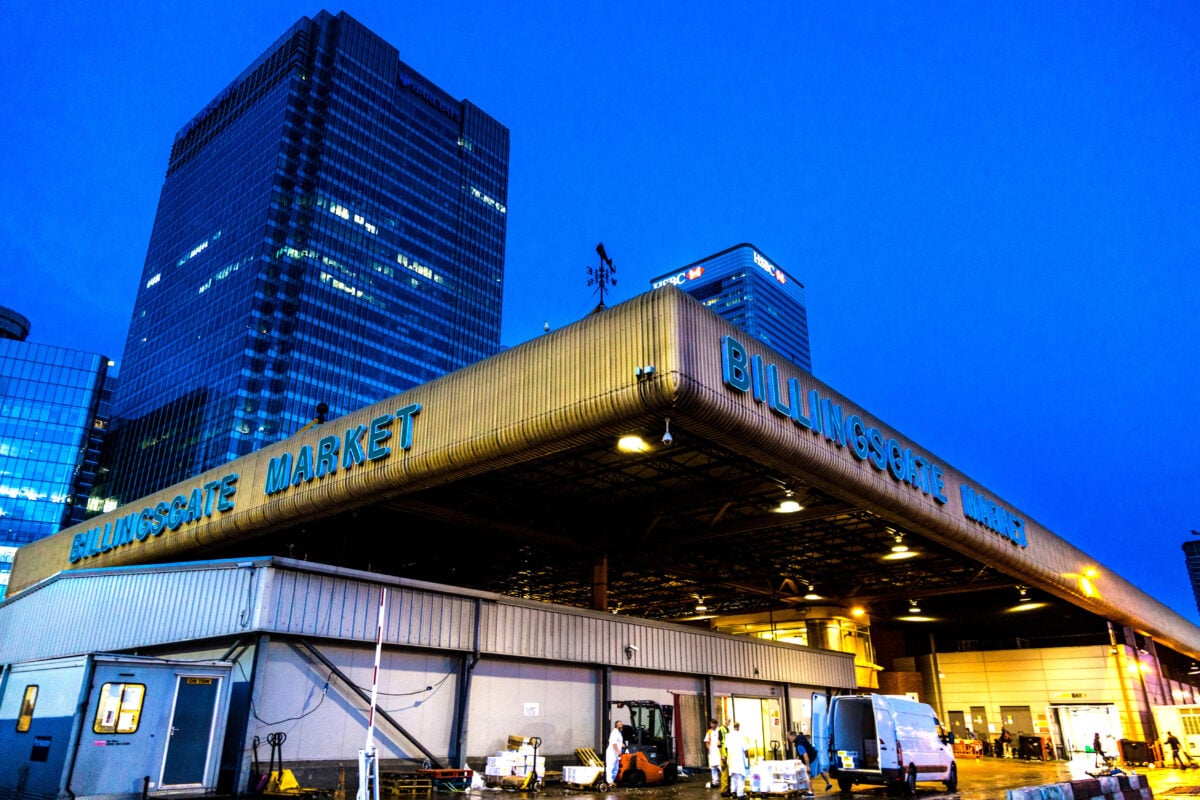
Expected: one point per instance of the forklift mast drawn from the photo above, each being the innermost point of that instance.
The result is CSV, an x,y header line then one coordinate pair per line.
x,y
648,729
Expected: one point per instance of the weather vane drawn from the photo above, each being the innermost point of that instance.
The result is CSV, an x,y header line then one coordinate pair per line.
x,y
602,276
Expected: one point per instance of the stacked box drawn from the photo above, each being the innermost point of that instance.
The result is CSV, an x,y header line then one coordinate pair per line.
x,y
778,777
514,762
581,776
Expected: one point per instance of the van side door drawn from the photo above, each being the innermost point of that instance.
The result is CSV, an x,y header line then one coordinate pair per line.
x,y
886,734
818,728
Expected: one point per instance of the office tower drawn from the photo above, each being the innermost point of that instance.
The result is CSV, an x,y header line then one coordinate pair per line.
x,y
331,230
752,292
1191,552
50,432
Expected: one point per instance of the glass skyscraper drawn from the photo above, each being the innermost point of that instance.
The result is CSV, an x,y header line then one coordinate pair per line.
x,y
752,292
50,431
331,230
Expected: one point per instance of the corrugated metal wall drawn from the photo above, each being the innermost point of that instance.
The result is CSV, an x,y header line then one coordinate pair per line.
x,y
124,609
115,610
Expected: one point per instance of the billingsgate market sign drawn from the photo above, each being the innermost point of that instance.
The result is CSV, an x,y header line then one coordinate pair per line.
x,y
363,444
356,446
822,416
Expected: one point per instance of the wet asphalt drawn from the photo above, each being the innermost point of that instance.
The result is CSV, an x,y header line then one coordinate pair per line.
x,y
978,779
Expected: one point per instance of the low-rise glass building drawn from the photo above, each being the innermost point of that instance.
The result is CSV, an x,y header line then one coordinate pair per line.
x,y
49,432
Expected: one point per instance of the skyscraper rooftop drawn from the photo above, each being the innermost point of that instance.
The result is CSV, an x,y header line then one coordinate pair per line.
x,y
750,290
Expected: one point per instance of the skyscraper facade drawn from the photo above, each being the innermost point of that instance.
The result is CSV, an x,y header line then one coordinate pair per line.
x,y
50,431
752,292
1191,552
331,229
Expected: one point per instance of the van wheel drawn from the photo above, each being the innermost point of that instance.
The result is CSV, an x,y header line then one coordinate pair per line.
x,y
952,778
845,785
910,781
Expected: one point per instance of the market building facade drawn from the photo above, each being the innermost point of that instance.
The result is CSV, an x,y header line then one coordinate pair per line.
x,y
646,504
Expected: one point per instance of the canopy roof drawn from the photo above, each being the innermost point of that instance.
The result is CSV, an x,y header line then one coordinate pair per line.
x,y
513,483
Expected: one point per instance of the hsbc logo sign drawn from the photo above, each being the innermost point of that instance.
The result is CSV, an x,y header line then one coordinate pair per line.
x,y
680,278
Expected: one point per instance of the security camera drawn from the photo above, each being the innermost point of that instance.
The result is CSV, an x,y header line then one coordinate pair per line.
x,y
633,648
667,437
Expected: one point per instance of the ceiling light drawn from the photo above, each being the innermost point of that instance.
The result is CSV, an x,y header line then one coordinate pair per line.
x,y
700,606
1023,606
1024,595
789,505
1194,669
913,608
632,443
857,611
812,593
899,550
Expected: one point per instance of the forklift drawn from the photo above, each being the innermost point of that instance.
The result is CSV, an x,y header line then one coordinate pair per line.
x,y
649,757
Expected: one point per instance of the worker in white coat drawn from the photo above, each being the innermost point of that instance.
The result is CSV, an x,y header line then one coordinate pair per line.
x,y
713,739
737,757
612,753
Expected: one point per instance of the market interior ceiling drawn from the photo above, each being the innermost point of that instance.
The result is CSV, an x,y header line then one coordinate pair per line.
x,y
681,526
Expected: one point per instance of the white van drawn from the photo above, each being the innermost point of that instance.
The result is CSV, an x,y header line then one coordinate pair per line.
x,y
882,739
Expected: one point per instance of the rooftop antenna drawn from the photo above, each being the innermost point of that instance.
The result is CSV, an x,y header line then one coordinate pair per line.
x,y
602,276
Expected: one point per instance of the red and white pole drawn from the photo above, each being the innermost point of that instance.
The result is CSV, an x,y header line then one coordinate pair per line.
x,y
375,678
368,763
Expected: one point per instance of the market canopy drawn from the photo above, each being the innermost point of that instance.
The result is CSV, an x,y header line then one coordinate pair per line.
x,y
507,475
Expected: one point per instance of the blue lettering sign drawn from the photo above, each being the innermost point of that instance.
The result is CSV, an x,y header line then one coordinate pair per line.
x,y
978,507
352,453
138,526
735,364
279,473
286,471
823,416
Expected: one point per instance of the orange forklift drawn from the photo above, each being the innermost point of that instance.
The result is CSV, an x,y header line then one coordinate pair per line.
x,y
649,757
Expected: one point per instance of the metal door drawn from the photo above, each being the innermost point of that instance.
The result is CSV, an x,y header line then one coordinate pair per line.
x,y
958,724
690,726
191,732
979,724
1017,719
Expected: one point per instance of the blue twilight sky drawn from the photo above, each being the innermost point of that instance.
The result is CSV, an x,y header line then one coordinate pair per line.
x,y
995,207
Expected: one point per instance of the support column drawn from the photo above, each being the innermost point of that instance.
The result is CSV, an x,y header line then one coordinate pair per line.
x,y
937,680
600,583
462,695
258,671
605,709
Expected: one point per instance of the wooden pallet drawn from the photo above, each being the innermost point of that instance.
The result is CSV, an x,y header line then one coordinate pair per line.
x,y
397,784
448,780
587,756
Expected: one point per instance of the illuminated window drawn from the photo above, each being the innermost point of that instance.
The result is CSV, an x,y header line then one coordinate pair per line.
x,y
27,704
120,708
